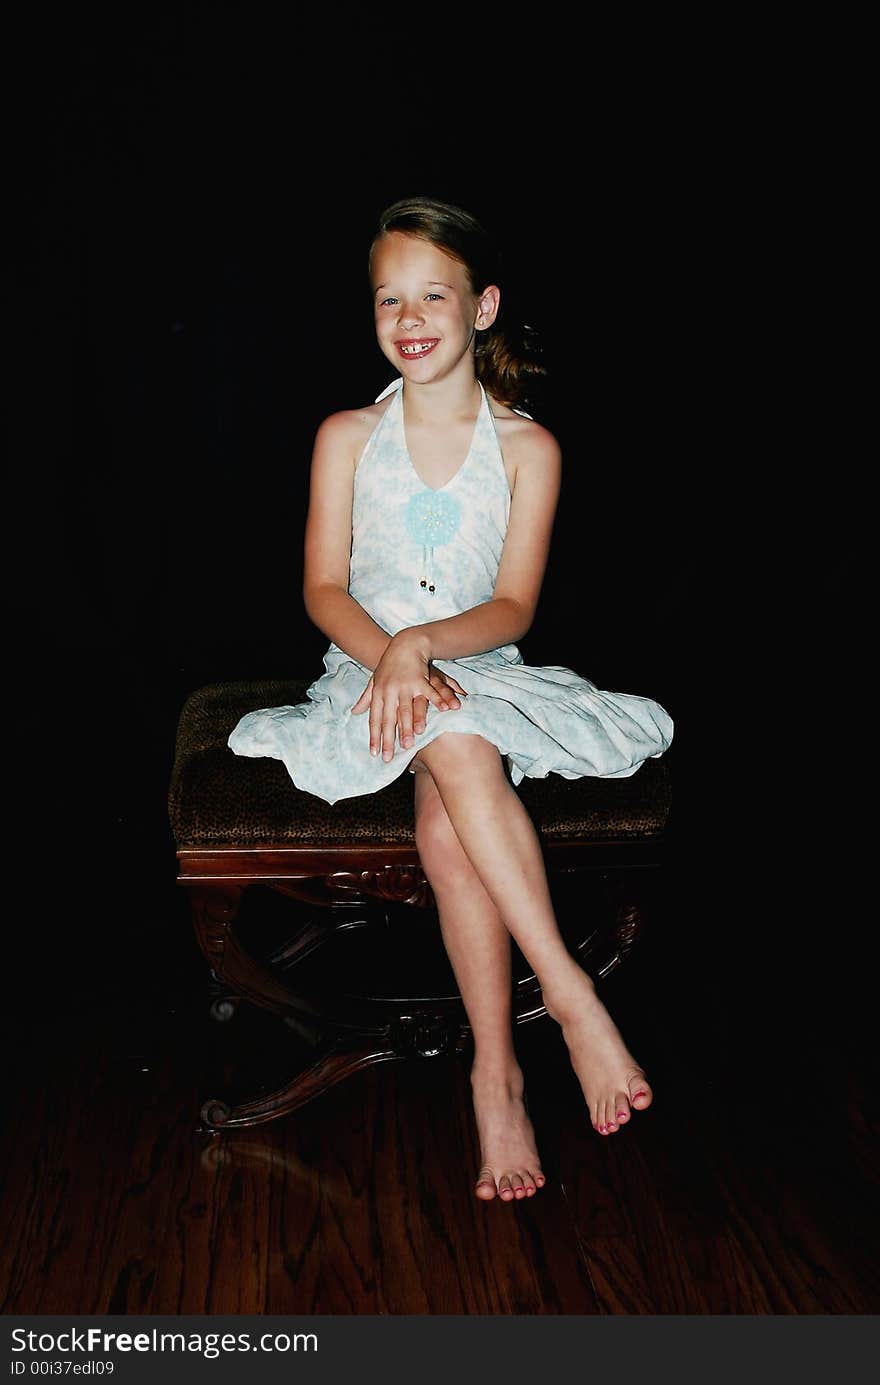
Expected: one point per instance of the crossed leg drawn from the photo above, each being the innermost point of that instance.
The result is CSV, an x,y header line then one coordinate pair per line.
x,y
478,946
497,839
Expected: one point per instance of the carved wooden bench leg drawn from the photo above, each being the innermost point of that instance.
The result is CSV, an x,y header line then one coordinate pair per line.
x,y
423,1033
367,1032
629,900
332,1067
214,909
312,934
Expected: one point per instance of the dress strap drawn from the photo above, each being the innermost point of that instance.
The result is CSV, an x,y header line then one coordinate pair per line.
x,y
389,389
396,385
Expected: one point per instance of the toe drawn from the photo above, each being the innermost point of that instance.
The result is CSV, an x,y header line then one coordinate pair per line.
x,y
621,1107
640,1092
485,1188
504,1188
517,1184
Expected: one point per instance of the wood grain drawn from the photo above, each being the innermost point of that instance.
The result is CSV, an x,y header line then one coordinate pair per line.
x,y
362,1202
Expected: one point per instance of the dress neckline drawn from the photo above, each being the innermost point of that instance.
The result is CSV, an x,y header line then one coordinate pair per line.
x,y
455,475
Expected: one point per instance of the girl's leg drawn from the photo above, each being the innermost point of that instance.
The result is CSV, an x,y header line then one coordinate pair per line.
x,y
478,946
499,840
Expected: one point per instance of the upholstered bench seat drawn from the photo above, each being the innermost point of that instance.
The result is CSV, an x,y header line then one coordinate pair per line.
x,y
240,822
221,799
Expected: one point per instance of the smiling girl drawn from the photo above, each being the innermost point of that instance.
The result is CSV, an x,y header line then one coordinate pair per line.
x,y
427,539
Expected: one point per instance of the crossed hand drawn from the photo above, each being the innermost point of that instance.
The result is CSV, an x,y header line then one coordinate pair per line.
x,y
401,685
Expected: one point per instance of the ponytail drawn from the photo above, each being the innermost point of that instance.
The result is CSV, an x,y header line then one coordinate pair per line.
x,y
508,362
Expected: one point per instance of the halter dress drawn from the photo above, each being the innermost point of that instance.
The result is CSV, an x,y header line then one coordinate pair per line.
x,y
420,554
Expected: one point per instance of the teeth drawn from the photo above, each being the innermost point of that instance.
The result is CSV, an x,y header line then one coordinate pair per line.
x,y
416,350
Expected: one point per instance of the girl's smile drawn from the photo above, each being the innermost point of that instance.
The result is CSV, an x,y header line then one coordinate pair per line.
x,y
413,348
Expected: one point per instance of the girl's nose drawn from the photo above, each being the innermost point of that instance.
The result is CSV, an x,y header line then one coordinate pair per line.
x,y
409,316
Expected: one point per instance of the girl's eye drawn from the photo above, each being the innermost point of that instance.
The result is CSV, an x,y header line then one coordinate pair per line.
x,y
394,300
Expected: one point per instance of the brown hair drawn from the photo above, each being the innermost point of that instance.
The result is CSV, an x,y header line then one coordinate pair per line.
x,y
507,353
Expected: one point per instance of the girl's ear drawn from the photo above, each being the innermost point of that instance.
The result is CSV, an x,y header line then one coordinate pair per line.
x,y
487,309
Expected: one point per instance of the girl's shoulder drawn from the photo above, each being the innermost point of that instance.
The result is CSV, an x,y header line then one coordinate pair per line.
x,y
521,438
355,420
351,428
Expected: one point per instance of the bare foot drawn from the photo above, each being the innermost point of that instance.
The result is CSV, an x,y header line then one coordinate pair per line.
x,y
511,1168
612,1081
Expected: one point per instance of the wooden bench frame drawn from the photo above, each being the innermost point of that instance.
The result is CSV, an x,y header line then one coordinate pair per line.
x,y
346,885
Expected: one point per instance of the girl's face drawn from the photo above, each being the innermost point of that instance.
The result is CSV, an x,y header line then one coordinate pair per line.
x,y
426,313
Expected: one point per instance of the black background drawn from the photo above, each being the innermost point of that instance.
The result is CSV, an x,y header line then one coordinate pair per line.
x,y
195,194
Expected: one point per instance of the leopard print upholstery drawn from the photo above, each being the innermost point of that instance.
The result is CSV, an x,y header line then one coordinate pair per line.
x,y
217,798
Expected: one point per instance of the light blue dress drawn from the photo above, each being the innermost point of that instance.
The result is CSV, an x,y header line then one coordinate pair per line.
x,y
420,554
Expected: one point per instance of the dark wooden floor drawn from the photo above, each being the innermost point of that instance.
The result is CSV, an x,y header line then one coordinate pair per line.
x,y
750,1187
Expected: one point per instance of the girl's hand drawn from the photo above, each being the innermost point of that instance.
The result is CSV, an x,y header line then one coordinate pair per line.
x,y
402,684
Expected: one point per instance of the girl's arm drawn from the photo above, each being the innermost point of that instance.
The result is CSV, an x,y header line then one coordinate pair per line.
x,y
328,547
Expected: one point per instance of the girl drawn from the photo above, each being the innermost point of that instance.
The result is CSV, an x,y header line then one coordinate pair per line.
x,y
430,516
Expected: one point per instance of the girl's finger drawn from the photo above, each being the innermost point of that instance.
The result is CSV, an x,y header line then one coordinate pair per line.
x,y
376,725
420,713
389,722
442,699
446,678
446,693
405,714
364,700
